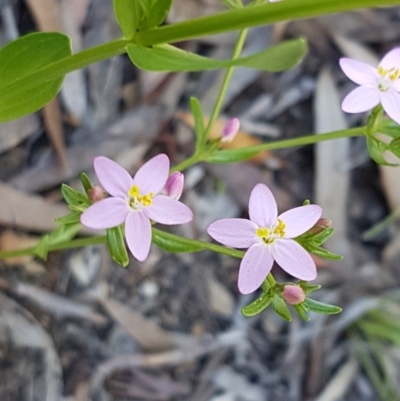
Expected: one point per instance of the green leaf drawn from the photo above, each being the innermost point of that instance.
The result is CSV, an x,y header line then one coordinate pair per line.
x,y
41,250
231,155
280,307
321,252
301,311
308,288
199,128
116,246
173,243
319,307
258,305
76,200
130,14
157,12
72,218
376,148
63,233
21,58
169,58
390,128
87,185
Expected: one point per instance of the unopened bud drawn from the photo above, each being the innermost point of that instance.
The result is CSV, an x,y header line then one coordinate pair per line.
x,y
96,194
174,185
230,130
320,226
293,294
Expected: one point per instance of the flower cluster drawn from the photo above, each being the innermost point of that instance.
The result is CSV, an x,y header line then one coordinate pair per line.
x,y
152,196
377,85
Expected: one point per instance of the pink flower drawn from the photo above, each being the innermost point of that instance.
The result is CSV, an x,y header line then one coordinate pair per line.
x,y
293,294
377,85
135,201
230,130
174,185
96,194
268,237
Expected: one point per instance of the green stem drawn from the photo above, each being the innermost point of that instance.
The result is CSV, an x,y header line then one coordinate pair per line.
x,y
225,84
187,163
226,156
251,16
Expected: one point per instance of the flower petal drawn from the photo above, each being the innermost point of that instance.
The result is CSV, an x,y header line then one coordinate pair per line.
x,y
361,99
391,59
262,206
396,85
300,219
294,259
174,185
166,210
359,72
138,235
254,268
152,176
391,103
237,233
113,178
107,213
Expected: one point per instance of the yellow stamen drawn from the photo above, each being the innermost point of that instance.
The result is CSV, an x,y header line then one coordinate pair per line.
x,y
134,191
137,199
280,228
263,232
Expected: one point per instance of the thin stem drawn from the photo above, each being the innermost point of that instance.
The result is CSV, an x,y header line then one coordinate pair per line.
x,y
225,84
250,17
186,163
226,156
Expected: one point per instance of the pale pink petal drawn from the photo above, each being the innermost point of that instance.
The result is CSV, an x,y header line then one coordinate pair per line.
x,y
166,210
152,176
391,104
254,268
359,72
391,60
262,206
230,130
237,233
114,178
300,219
106,213
138,235
294,259
396,85
174,185
361,99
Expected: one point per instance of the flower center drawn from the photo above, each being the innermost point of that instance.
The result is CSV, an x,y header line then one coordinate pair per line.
x,y
136,200
268,236
387,77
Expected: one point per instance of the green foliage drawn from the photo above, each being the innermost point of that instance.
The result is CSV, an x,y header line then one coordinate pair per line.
x,y
376,148
280,307
259,304
232,155
22,58
312,241
199,128
169,58
140,15
76,200
319,307
174,243
87,185
116,246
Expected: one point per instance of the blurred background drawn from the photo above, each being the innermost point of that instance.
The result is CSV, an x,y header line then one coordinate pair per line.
x,y
78,327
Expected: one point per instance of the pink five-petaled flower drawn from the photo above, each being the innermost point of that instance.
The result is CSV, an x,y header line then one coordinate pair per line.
x,y
268,237
135,201
377,85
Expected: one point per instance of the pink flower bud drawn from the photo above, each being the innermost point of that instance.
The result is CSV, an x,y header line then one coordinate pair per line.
x,y
174,185
230,130
293,294
96,194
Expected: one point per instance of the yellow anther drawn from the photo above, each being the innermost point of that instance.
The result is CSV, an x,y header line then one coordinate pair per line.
x,y
280,228
134,191
262,232
137,199
394,74
382,72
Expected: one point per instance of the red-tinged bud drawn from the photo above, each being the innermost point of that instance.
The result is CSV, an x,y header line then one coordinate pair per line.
x,y
174,185
96,194
293,294
230,130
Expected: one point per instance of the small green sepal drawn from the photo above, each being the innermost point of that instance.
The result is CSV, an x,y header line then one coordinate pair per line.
x,y
116,246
